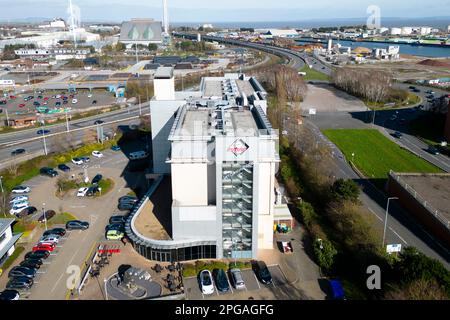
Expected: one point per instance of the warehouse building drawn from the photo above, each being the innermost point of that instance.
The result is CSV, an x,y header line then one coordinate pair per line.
x,y
141,31
219,152
427,198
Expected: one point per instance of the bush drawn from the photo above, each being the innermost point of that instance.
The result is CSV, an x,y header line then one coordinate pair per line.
x,y
12,258
308,214
189,270
325,253
240,265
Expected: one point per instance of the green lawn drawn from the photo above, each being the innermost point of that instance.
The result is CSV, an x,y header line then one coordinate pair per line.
x,y
375,154
61,218
312,74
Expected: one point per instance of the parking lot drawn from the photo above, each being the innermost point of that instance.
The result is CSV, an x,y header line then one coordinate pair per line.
x,y
17,105
252,286
57,272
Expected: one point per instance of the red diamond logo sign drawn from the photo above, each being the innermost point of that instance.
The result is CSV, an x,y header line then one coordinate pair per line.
x,y
238,147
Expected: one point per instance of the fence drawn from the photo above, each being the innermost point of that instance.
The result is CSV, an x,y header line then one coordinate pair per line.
x,y
439,216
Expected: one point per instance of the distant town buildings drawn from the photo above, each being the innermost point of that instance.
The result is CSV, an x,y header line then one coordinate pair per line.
x,y
141,31
219,140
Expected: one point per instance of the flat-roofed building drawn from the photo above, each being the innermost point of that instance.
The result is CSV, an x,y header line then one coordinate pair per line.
x,y
141,31
220,152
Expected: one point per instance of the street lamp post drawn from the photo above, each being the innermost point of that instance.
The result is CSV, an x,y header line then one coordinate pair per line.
x,y
67,122
3,195
386,216
106,288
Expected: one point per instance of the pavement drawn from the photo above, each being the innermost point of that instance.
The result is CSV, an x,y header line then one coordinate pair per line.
x,y
51,283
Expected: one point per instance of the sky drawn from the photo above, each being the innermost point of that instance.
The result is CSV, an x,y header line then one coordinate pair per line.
x,y
210,11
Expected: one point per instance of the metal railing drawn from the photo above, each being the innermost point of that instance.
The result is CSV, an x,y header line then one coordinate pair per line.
x,y
438,215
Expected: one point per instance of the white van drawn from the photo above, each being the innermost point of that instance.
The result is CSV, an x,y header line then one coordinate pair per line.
x,y
138,155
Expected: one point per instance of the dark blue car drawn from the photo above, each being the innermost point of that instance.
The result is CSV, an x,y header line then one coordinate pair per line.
x,y
63,167
43,131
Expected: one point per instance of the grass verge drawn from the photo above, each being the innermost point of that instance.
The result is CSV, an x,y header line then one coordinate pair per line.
x,y
12,258
61,218
312,74
375,155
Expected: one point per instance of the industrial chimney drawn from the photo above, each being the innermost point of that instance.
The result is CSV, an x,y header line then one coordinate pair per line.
x,y
165,17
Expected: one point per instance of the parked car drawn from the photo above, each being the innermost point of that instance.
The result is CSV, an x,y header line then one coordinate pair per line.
x,y
97,179
82,192
92,191
21,189
58,231
433,150
18,199
38,254
30,264
43,131
336,290
50,238
115,226
206,282
19,271
57,103
44,246
47,215
17,152
123,206
77,225
115,148
20,283
94,102
397,134
85,159
262,272
114,234
74,101
97,154
77,161
99,122
18,208
221,280
48,172
117,219
138,155
9,295
237,279
63,167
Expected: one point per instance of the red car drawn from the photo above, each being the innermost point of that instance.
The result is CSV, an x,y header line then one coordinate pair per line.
x,y
46,98
21,105
12,97
44,246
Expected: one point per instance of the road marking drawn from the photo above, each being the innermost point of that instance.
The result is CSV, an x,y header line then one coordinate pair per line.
x,y
370,209
57,281
398,235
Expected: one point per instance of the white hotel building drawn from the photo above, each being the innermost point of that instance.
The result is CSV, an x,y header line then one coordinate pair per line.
x,y
222,156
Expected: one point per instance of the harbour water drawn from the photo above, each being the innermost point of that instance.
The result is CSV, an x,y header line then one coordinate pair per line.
x,y
415,50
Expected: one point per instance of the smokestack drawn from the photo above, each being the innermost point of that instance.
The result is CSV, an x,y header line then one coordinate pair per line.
x,y
165,17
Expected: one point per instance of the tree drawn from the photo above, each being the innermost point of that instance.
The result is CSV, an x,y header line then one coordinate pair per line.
x,y
152,47
325,253
345,190
420,289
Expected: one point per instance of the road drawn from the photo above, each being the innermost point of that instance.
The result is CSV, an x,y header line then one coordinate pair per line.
x,y
34,144
401,228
